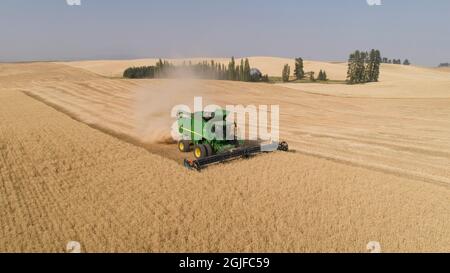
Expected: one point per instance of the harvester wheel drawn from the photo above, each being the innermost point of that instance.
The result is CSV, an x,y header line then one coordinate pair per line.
x,y
209,150
200,151
184,146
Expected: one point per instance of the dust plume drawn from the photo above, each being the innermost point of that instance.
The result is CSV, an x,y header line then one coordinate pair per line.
x,y
153,107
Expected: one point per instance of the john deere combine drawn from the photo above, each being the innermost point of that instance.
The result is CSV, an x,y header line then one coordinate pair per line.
x,y
213,139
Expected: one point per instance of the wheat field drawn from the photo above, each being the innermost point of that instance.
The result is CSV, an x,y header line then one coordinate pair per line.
x,y
85,157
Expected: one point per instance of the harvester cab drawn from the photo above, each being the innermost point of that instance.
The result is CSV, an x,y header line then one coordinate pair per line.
x,y
213,139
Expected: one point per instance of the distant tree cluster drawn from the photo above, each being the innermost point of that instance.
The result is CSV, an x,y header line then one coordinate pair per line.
x,y
300,73
395,61
322,76
204,70
444,65
364,67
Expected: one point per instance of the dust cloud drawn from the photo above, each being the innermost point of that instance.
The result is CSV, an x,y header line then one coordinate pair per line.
x,y
153,108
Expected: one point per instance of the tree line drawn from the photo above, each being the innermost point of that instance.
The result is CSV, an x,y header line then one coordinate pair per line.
x,y
395,61
444,65
204,70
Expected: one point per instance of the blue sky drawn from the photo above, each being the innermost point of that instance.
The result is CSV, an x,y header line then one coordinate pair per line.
x,y
314,29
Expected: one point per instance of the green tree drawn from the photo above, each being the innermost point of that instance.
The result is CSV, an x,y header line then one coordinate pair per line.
x,y
159,68
361,67
352,68
370,64
224,72
298,71
325,77
232,70
246,70
376,66
322,76
238,73
406,62
286,73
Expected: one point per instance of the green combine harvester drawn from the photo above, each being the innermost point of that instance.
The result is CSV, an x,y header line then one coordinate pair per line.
x,y
213,139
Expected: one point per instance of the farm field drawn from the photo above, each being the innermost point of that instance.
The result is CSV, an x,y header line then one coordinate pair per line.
x,y
86,156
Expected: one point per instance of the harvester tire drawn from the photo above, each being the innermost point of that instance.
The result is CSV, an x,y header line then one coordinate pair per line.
x,y
209,150
184,146
200,151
